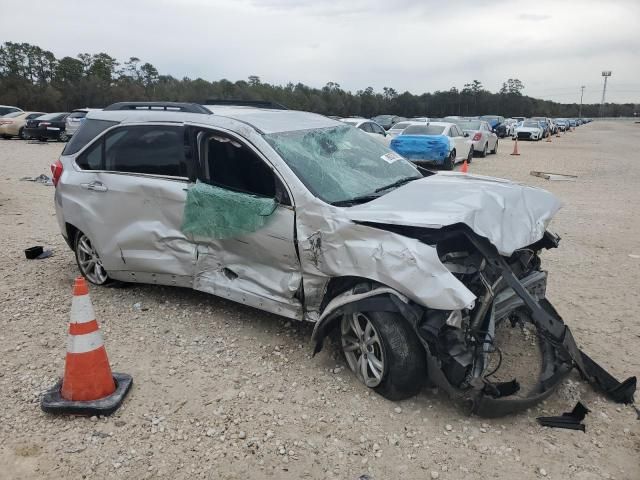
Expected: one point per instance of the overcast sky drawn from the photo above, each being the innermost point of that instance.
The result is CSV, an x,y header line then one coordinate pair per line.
x,y
553,46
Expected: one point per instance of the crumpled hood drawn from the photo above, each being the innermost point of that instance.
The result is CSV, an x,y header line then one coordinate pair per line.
x,y
508,214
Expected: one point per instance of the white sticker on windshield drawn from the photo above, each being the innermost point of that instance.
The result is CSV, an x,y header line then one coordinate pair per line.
x,y
391,157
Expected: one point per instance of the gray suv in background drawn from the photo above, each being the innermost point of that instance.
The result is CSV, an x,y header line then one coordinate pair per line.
x,y
306,217
75,119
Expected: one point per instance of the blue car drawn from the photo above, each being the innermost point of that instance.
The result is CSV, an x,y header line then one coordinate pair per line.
x,y
439,144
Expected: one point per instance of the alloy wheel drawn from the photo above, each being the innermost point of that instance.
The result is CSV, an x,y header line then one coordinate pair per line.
x,y
362,348
89,261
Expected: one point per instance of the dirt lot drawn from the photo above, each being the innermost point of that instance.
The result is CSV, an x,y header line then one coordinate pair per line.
x,y
225,391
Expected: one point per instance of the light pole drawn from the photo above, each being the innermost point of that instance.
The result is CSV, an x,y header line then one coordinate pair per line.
x,y
606,74
581,95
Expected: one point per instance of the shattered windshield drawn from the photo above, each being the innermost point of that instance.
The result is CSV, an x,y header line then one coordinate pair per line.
x,y
341,164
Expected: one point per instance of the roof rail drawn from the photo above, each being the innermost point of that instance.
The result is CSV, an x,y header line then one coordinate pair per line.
x,y
160,106
246,103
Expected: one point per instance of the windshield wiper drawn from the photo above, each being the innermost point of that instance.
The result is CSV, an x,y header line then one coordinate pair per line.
x,y
355,200
396,184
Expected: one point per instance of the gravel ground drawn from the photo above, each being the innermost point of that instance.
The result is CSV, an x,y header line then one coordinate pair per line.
x,y
226,391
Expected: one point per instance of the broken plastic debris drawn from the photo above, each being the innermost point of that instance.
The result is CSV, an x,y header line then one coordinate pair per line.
x,y
45,180
570,420
553,176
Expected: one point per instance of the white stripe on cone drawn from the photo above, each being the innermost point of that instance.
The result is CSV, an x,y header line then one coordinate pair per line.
x,y
82,309
84,343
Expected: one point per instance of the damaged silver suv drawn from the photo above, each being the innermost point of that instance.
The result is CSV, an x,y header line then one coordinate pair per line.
x,y
309,218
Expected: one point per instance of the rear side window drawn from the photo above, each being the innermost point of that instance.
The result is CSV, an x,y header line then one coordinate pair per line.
x,y
89,129
154,150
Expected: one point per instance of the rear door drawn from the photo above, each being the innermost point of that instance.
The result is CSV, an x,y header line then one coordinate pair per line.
x,y
462,144
133,189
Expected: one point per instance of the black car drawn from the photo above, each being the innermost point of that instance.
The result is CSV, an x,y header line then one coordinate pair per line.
x,y
500,130
49,126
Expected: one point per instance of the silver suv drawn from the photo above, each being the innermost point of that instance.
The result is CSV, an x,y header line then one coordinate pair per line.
x,y
312,219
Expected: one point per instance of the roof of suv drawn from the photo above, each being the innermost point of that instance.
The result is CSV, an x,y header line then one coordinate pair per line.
x,y
262,119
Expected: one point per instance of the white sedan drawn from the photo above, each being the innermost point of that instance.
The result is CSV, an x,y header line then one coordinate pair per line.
x,y
482,137
369,127
529,130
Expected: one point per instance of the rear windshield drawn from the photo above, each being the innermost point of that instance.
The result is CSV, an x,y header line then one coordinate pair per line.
x,y
469,125
78,114
89,129
423,130
13,114
52,116
531,124
401,125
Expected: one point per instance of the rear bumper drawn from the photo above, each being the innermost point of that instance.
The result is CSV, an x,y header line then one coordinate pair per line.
x,y
42,133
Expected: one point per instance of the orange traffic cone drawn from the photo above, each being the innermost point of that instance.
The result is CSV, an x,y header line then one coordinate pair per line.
x,y
465,166
88,387
515,147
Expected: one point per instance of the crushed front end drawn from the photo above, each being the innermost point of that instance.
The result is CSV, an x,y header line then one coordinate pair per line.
x,y
510,291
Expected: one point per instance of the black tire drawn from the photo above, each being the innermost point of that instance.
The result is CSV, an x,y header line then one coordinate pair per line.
x,y
405,370
63,137
495,149
21,134
483,153
470,156
450,162
6,137
95,279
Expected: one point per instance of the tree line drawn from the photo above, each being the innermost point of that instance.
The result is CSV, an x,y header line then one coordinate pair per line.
x,y
34,79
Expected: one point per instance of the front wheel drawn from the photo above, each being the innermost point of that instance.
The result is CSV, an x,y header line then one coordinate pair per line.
x,y
89,261
384,353
495,149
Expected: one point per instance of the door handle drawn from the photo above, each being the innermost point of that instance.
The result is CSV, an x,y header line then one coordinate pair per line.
x,y
94,186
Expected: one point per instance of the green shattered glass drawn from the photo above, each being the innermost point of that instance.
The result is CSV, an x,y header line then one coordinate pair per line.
x,y
216,212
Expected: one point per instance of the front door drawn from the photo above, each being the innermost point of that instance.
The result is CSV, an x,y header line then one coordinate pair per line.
x,y
243,220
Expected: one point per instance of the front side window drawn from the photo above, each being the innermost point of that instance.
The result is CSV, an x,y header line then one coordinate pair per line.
x,y
366,127
232,165
341,164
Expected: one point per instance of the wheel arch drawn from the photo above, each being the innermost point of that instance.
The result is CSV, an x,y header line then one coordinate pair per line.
x,y
350,294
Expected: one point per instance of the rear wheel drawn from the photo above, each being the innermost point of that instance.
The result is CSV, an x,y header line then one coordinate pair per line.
x,y
89,261
384,353
63,137
450,162
21,134
470,156
484,150
495,149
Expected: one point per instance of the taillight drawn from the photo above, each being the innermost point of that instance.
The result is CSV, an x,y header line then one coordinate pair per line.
x,y
44,124
477,136
56,171
6,122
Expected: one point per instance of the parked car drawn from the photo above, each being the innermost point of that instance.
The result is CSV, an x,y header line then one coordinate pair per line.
x,y
399,127
48,127
492,120
546,125
4,109
562,124
12,124
370,128
482,138
74,120
435,143
519,119
388,121
572,123
308,218
529,130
